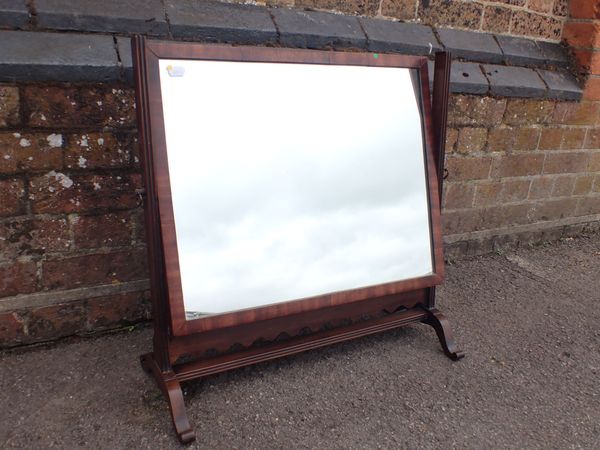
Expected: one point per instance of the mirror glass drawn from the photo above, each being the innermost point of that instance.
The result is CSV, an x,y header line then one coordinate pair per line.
x,y
293,180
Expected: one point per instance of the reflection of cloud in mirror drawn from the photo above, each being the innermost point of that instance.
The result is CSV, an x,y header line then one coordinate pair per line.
x,y
293,180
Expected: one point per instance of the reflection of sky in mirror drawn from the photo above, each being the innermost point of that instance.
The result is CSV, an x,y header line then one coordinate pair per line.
x,y
293,180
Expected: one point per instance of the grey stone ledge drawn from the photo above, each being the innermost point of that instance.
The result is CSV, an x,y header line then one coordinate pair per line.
x,y
514,81
38,56
146,17
478,47
397,37
13,13
519,51
311,29
220,22
554,54
468,78
561,85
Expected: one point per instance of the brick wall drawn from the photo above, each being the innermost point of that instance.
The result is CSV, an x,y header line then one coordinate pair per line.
x,y
540,19
70,221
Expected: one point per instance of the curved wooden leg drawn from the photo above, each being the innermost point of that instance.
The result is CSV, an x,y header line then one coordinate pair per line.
x,y
444,333
171,389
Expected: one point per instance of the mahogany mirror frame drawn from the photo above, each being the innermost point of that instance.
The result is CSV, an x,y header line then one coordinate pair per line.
x,y
187,349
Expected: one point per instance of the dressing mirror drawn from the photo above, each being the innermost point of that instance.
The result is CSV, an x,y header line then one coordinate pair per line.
x,y
292,200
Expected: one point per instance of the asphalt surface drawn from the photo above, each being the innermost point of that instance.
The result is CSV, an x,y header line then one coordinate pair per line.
x,y
529,322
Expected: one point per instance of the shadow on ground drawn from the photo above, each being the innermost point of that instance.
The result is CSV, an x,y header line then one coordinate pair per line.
x,y
529,322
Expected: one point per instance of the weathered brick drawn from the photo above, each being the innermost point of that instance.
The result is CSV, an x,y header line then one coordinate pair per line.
x,y
451,139
104,268
583,184
57,192
571,162
496,19
363,8
12,330
456,14
471,140
33,237
576,113
563,186
12,197
460,169
504,215
17,277
20,152
594,163
588,205
79,107
587,60
475,110
99,150
501,139
119,309
526,139
536,25
51,322
505,191
138,224
553,209
592,138
573,138
544,6
398,9
458,195
518,165
551,139
527,112
541,187
591,89
9,106
561,8
107,230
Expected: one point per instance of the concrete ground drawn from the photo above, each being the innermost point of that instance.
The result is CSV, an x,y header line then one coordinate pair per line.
x,y
529,322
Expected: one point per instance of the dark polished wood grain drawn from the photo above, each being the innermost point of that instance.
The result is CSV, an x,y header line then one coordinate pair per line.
x,y
185,350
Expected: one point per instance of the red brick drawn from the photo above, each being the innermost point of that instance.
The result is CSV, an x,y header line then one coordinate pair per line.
x,y
584,9
551,139
108,230
17,278
398,9
12,197
471,140
139,228
583,184
99,150
541,187
553,209
121,309
592,139
518,165
536,25
57,192
544,6
26,152
582,34
571,162
51,322
474,110
105,268
9,106
528,112
33,237
501,139
588,60
451,138
526,139
576,113
588,205
496,19
11,329
594,163
563,186
591,89
458,195
461,169
505,191
596,184
78,107
573,138
487,194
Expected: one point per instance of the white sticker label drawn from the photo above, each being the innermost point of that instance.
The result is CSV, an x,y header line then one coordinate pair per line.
x,y
175,71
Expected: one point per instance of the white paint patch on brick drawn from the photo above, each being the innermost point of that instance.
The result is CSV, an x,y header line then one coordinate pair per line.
x,y
82,162
17,135
64,180
97,186
84,141
55,140
25,142
100,141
